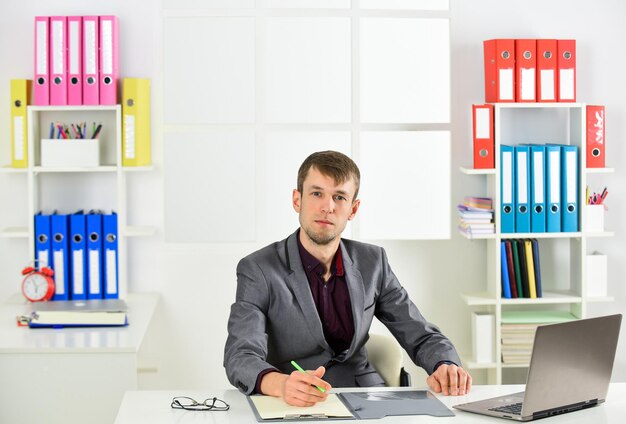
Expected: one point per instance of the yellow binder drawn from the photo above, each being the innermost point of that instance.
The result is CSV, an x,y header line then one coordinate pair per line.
x,y
20,98
530,264
136,150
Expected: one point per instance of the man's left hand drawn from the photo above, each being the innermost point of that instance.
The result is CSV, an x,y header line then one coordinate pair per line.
x,y
451,380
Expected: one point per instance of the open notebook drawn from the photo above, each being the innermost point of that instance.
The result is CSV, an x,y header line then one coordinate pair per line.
x,y
272,408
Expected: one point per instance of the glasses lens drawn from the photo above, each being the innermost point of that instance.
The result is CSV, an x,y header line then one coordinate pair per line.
x,y
216,404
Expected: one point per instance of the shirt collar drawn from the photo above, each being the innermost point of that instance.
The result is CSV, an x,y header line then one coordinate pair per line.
x,y
309,262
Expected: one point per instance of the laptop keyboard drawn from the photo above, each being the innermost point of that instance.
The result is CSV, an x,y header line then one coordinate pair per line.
x,y
513,409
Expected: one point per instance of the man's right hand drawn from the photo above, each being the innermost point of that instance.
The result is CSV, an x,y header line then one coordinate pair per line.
x,y
297,388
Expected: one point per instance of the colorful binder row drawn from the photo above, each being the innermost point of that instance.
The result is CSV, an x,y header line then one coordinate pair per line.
x,y
521,273
529,70
539,188
76,60
82,251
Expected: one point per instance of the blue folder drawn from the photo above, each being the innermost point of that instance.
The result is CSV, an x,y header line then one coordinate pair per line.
x,y
537,189
507,189
59,229
506,283
569,184
522,189
553,188
78,250
94,256
110,257
43,244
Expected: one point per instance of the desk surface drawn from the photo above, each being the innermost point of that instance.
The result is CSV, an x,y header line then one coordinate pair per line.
x,y
14,339
154,407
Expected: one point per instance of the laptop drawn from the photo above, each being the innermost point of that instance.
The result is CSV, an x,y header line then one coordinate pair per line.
x,y
570,369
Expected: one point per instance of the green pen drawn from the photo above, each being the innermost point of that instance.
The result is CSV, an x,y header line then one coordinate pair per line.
x,y
299,368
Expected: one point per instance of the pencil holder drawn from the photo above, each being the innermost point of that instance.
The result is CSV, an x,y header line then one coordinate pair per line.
x,y
70,152
594,218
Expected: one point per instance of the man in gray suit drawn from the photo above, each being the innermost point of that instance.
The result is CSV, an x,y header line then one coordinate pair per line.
x,y
312,297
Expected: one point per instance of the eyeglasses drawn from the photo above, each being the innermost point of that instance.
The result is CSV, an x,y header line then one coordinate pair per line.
x,y
189,404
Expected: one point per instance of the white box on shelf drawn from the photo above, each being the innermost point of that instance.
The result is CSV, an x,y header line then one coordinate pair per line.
x,y
596,275
483,336
594,218
70,152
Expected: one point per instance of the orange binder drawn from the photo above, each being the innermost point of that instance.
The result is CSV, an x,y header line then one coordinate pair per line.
x,y
595,137
499,58
566,64
484,148
546,70
525,70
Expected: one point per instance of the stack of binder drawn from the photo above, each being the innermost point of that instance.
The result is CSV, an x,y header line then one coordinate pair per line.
x,y
476,216
530,70
76,60
521,270
82,249
518,332
539,188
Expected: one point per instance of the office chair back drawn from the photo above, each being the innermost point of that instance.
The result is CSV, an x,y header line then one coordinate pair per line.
x,y
385,355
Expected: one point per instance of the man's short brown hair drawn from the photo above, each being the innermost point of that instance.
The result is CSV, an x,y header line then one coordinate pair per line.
x,y
331,164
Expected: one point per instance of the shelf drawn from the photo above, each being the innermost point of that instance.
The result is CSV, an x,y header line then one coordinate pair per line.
x,y
477,236
540,235
14,232
540,105
549,298
77,108
472,171
104,168
600,170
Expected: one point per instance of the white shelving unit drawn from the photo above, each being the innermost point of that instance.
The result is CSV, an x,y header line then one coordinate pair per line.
x,y
562,255
68,189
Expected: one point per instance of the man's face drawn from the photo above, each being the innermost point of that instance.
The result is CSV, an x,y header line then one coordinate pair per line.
x,y
325,207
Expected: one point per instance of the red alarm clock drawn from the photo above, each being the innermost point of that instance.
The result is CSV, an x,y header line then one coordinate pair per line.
x,y
37,285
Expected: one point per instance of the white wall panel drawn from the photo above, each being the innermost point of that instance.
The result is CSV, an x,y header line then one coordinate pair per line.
x,y
209,186
306,72
208,70
405,70
405,4
405,185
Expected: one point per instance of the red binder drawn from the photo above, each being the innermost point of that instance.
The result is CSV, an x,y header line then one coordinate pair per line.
x,y
566,64
546,70
484,148
525,70
499,57
595,137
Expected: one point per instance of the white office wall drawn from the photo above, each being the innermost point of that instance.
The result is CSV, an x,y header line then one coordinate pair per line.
x,y
197,281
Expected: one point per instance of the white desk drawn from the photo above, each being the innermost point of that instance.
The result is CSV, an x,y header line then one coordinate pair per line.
x,y
72,374
154,407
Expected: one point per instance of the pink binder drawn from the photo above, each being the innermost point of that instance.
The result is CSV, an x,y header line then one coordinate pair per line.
x,y
58,60
74,62
109,59
41,90
90,59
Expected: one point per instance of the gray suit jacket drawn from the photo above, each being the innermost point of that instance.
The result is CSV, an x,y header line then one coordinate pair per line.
x,y
274,320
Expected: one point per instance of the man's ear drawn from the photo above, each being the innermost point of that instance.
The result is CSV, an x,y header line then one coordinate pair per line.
x,y
296,199
355,207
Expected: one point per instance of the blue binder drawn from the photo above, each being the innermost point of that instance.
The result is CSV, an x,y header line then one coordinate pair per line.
x,y
110,257
553,188
537,188
61,256
78,251
522,189
507,189
94,256
43,244
506,283
569,184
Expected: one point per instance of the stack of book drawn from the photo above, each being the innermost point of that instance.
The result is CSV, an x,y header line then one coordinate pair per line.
x,y
518,332
521,272
476,214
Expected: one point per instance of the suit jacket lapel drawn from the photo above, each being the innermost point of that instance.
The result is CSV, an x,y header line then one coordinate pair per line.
x,y
357,296
299,284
